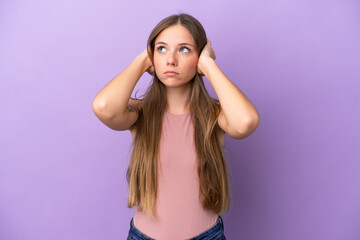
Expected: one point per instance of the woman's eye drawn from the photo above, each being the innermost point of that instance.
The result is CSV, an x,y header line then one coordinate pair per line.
x,y
185,48
159,48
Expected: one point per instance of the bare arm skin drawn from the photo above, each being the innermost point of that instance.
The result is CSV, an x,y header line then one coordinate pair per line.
x,y
112,105
238,116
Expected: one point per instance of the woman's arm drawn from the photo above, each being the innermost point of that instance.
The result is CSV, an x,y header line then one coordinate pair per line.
x,y
238,116
112,105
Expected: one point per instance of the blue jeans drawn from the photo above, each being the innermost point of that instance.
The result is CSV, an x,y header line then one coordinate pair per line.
x,y
216,232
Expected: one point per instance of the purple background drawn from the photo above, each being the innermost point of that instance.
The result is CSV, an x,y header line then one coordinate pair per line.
x,y
62,172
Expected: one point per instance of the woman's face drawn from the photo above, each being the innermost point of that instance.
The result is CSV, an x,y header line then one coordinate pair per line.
x,y
175,50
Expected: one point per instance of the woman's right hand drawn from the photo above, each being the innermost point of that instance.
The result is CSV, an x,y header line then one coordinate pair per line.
x,y
147,61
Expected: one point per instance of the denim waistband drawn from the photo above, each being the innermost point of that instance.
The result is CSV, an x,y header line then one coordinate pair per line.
x,y
214,231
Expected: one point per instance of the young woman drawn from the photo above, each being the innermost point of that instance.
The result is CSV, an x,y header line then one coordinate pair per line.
x,y
177,176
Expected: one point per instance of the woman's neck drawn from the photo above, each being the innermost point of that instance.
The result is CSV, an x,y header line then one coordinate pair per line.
x,y
178,100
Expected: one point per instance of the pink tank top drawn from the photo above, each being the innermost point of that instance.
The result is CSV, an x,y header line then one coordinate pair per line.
x,y
180,214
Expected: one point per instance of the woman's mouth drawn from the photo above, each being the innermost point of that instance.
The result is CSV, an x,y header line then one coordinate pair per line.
x,y
171,73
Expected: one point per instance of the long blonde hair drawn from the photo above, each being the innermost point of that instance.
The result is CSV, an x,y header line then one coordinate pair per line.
x,y
142,176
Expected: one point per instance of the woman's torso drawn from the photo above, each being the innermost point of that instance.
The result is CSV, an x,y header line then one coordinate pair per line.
x,y
178,208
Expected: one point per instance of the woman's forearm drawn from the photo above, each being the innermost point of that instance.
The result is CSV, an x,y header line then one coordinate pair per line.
x,y
113,99
239,112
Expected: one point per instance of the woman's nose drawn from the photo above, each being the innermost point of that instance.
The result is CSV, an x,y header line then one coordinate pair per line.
x,y
172,59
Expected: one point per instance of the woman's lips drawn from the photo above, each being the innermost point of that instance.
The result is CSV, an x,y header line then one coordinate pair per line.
x,y
171,73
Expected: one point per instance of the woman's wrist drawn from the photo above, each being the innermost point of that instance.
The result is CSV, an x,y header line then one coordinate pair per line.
x,y
204,64
143,61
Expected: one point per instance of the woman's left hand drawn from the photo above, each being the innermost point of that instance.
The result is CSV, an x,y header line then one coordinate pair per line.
x,y
205,54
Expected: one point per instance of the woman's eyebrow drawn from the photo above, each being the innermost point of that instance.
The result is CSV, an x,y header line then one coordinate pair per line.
x,y
185,43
